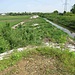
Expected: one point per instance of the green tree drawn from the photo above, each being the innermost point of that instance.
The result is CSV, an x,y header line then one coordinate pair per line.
x,y
73,9
56,12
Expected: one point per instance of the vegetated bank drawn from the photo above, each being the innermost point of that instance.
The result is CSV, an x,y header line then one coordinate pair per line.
x,y
41,60
66,20
32,32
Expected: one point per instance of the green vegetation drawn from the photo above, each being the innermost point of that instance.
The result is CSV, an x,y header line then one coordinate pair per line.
x,y
66,20
73,9
13,59
6,22
33,32
29,34
64,60
12,20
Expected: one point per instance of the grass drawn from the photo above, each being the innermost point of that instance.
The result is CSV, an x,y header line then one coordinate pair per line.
x,y
12,20
13,59
67,21
64,60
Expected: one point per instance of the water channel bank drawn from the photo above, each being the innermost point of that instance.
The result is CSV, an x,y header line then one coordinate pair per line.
x,y
70,33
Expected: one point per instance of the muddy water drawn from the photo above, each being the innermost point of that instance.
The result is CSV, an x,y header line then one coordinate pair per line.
x,y
70,33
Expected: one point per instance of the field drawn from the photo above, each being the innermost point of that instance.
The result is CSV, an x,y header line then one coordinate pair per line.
x,y
12,20
32,32
64,20
38,58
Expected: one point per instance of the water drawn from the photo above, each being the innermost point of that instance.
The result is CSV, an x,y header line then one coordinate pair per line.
x,y
70,33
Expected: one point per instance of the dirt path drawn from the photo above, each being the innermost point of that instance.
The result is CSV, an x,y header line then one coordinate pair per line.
x,y
21,23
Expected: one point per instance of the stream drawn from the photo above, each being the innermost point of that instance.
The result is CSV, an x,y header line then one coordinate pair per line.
x,y
70,33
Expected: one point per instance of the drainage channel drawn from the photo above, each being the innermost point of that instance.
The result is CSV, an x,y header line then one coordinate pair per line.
x,y
72,34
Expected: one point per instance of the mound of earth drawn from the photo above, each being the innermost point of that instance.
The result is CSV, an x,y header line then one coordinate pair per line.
x,y
36,64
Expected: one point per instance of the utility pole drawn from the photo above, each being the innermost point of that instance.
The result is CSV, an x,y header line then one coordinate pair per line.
x,y
65,6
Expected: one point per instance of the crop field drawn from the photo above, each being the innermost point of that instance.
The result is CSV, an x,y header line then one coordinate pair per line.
x,y
32,32
64,20
12,20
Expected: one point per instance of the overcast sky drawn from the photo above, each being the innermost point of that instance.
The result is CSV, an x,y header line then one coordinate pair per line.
x,y
34,5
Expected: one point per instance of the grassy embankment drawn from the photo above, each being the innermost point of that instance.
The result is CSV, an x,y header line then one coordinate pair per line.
x,y
31,34
56,62
64,20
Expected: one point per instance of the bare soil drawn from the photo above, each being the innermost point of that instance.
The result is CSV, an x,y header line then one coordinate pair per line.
x,y
36,64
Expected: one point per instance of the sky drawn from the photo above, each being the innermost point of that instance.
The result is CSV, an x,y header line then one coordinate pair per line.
x,y
34,5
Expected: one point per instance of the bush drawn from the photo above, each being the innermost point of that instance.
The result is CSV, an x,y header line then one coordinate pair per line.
x,y
4,45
